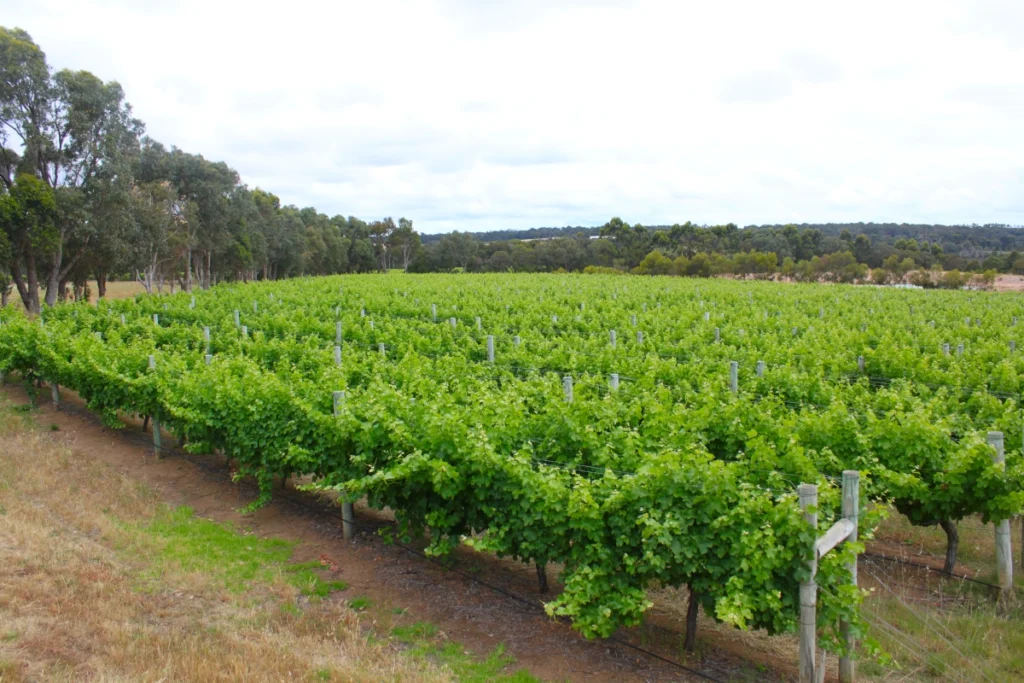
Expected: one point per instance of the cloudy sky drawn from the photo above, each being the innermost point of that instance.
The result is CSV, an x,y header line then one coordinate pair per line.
x,y
485,115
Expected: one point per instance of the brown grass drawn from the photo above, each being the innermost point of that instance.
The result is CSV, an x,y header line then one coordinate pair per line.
x,y
115,290
73,606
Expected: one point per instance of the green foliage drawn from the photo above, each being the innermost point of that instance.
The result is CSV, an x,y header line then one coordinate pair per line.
x,y
672,480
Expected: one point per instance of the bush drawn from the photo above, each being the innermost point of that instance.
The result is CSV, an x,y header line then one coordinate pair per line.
x,y
602,270
921,278
655,263
953,279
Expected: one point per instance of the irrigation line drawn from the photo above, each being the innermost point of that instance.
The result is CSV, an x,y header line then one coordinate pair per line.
x,y
325,512
942,572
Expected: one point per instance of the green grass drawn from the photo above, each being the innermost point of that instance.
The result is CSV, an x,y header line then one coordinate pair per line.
x,y
413,633
177,538
359,603
425,643
976,638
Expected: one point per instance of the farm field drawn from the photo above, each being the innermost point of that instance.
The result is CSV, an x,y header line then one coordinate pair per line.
x,y
595,424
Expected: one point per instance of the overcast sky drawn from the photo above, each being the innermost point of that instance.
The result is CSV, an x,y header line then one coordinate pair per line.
x,y
485,115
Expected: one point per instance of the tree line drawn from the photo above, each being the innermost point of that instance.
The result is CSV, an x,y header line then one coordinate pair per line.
x,y
799,252
86,195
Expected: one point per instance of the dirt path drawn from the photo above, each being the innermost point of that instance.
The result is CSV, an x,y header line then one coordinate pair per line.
x,y
457,601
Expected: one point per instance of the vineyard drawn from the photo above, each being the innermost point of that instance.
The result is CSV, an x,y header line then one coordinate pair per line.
x,y
635,432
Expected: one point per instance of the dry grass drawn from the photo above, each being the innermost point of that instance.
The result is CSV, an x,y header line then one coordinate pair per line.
x,y
84,594
115,290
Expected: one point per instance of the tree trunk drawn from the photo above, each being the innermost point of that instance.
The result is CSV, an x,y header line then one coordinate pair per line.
x,y
33,284
54,286
188,270
952,540
542,577
101,284
691,622
24,290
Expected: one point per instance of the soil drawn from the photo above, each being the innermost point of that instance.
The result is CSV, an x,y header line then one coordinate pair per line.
x,y
479,601
1009,283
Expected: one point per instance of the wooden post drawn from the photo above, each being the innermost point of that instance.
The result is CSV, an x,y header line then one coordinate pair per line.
x,y
55,395
611,336
567,388
490,348
156,417
156,320
122,319
718,335
1004,556
245,331
851,511
348,527
1013,346
959,349
707,316
208,358
516,340
860,363
808,496
734,386
371,324
337,355
236,318
193,304
479,325
760,368
639,337
632,320
945,349
433,312
380,347
614,381
452,322
644,306
337,333
794,331
554,318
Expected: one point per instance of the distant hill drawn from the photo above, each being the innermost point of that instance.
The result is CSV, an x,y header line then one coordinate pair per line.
x,y
967,240
530,234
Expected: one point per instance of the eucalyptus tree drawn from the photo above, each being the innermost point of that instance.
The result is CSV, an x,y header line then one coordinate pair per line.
x,y
78,136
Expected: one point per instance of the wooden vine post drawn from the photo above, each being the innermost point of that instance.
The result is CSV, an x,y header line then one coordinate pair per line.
x,y
1004,555
843,530
156,417
348,523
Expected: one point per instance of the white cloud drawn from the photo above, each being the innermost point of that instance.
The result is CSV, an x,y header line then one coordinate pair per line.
x,y
468,115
